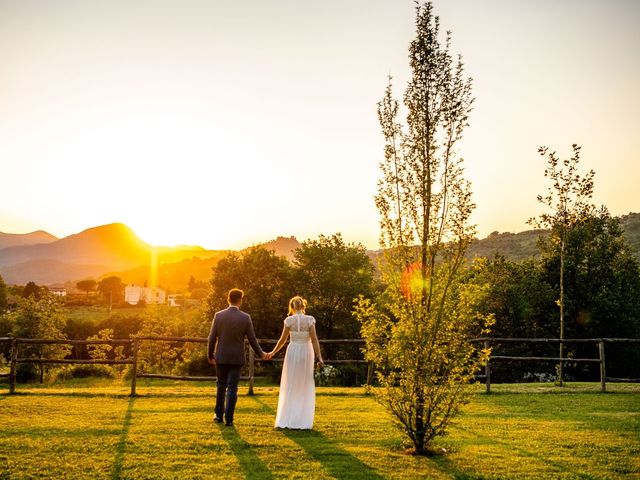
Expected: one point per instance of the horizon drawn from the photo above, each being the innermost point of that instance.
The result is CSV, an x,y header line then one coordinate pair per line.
x,y
262,241
222,125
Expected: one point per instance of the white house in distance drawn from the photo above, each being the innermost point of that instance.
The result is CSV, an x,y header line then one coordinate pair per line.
x,y
134,293
58,290
175,300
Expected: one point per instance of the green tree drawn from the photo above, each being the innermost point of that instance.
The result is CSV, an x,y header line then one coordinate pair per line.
x,y
518,296
568,201
87,285
602,286
192,283
41,317
331,274
266,280
112,290
31,289
168,357
3,295
417,332
522,302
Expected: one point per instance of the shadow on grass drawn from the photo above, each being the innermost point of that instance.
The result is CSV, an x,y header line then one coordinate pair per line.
x,y
500,389
510,447
4,468
250,463
80,394
338,462
117,464
72,394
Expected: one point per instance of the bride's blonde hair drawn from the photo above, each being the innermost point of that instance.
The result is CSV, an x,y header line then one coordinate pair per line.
x,y
297,304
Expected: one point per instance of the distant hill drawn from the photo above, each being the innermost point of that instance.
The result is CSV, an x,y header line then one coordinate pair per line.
x,y
631,225
116,249
522,245
513,246
48,271
173,276
19,239
90,253
283,246
114,245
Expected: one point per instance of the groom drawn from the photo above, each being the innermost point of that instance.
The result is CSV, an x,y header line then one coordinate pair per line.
x,y
226,352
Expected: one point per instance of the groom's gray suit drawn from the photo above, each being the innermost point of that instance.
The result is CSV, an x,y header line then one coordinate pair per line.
x,y
226,346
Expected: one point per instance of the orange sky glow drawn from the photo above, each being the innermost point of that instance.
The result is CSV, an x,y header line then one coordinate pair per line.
x,y
224,124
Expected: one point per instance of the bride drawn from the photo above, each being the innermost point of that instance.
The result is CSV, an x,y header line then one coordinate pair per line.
x,y
297,400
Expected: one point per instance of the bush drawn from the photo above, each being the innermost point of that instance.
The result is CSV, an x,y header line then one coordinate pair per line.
x,y
85,371
27,372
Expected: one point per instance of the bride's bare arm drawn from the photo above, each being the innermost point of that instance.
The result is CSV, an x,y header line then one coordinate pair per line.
x,y
281,341
316,344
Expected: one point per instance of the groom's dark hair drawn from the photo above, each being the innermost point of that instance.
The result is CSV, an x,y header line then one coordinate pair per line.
x,y
234,296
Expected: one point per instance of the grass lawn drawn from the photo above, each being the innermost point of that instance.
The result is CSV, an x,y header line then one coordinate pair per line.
x,y
91,429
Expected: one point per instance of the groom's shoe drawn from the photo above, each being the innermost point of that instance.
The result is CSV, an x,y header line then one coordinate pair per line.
x,y
229,424
217,419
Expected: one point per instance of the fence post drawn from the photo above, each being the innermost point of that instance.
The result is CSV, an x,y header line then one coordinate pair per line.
x,y
487,369
134,369
252,362
41,369
12,371
369,373
603,381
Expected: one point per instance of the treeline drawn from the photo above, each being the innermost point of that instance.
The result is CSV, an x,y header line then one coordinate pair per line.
x,y
601,296
601,299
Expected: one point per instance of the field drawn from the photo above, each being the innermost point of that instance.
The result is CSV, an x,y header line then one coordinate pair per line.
x,y
91,429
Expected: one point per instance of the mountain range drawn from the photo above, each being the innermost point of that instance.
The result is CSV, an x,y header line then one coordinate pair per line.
x,y
116,249
92,253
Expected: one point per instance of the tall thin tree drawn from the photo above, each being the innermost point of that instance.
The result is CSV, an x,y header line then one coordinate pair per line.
x,y
568,201
417,334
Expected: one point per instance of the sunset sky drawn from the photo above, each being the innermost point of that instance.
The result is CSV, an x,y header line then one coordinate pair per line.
x,y
224,124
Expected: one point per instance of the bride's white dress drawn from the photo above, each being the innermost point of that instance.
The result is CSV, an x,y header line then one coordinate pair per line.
x,y
297,399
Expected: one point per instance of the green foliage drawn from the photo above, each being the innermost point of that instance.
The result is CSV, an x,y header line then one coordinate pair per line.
x,y
568,201
31,289
602,278
38,317
423,366
518,296
266,280
631,226
417,333
84,371
112,289
104,351
87,285
602,286
169,357
523,304
3,295
331,274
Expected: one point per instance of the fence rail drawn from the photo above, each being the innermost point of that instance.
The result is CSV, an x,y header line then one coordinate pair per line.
x,y
600,342
135,343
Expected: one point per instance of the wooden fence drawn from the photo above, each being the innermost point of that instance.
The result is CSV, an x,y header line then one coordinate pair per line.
x,y
600,342
135,343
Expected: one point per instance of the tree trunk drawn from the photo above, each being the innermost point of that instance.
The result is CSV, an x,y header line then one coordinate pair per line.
x,y
561,365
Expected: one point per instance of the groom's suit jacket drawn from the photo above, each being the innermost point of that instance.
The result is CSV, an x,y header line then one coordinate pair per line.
x,y
226,338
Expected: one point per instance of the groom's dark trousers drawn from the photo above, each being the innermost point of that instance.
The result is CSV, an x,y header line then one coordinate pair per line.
x,y
227,393
226,346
